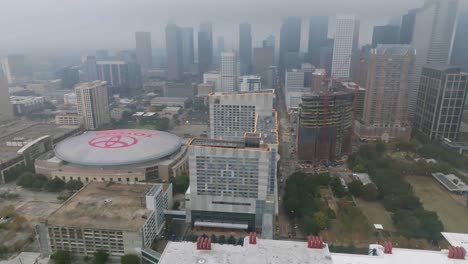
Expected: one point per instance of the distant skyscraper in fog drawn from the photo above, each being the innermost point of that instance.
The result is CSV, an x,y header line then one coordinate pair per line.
x,y
263,58
407,27
388,34
174,67
89,69
144,52
432,38
15,70
219,46
245,48
102,54
229,71
6,110
460,44
318,34
345,46
290,42
188,56
205,48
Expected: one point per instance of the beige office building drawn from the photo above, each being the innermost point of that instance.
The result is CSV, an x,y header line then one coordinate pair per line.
x,y
93,103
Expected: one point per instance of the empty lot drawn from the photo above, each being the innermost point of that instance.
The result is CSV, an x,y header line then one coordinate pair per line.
x,y
434,198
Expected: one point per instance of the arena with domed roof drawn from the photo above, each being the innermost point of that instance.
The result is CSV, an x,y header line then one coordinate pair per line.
x,y
127,156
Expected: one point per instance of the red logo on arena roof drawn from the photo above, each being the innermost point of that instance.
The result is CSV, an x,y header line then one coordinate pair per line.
x,y
113,141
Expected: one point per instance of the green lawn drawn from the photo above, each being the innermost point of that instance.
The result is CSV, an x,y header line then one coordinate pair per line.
x,y
376,214
453,215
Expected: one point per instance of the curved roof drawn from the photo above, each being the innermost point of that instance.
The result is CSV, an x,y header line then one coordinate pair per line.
x,y
117,147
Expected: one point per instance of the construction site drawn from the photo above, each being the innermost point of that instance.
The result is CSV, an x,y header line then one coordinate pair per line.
x,y
325,125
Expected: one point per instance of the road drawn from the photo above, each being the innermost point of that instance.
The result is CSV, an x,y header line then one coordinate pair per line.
x,y
287,162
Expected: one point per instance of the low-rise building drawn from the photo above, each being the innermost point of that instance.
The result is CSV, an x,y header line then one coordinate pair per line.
x,y
68,118
26,104
169,101
117,218
43,87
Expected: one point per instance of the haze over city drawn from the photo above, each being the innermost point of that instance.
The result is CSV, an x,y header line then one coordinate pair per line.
x,y
54,25
241,132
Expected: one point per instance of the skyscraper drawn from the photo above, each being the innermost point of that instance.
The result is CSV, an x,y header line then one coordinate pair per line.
x,y
432,38
386,103
233,114
89,69
205,48
219,46
229,71
15,70
407,27
326,56
345,46
93,103
249,159
388,34
324,126
318,34
144,52
69,75
188,56
441,96
460,44
270,41
263,58
245,48
121,77
6,110
290,42
174,52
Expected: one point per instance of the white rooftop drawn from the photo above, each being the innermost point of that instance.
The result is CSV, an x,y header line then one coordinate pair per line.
x,y
398,256
291,252
264,252
457,239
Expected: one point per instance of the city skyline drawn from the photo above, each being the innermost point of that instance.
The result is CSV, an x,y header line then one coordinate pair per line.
x,y
18,35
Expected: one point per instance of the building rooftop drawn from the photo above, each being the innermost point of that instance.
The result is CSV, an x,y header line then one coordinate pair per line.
x,y
117,147
451,182
89,85
264,252
101,205
161,100
242,93
217,143
29,132
292,252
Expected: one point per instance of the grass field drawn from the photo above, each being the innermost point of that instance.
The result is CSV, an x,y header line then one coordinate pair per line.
x,y
452,214
376,214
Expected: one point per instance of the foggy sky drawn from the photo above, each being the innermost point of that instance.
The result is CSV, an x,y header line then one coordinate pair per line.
x,y
28,25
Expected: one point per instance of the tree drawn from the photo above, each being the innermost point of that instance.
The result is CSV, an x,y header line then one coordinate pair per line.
x,y
214,239
55,185
222,239
100,257
337,187
369,192
62,257
321,220
130,259
231,240
180,183
359,168
356,188
74,185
